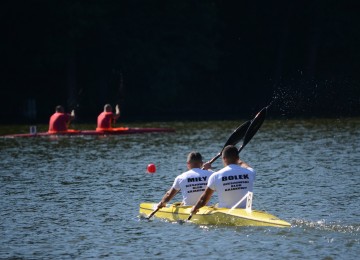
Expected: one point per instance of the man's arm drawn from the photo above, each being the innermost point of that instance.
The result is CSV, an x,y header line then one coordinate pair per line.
x,y
117,112
70,118
167,197
203,200
72,115
244,164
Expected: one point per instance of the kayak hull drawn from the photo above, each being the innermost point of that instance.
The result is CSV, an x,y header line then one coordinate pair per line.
x,y
120,131
214,216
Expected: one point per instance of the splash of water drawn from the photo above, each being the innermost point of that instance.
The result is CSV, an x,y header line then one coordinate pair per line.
x,y
330,226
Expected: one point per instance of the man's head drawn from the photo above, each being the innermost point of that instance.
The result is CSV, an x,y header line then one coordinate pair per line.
x,y
59,109
107,108
230,155
194,160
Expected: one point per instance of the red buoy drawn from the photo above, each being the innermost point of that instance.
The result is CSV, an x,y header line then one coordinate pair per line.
x,y
151,168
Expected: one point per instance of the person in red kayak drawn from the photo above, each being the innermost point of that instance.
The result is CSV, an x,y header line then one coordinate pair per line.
x,y
106,118
60,120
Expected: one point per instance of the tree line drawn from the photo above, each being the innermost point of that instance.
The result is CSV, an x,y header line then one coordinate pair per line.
x,y
185,59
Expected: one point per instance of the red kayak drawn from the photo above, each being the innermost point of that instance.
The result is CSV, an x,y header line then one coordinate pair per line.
x,y
98,131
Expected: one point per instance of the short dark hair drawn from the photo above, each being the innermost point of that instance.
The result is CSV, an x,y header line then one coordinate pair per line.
x,y
194,157
230,152
59,109
107,108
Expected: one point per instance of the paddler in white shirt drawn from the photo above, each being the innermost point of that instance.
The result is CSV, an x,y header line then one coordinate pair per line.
x,y
232,182
192,183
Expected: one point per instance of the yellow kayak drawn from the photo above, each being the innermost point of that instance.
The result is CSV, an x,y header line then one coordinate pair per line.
x,y
210,215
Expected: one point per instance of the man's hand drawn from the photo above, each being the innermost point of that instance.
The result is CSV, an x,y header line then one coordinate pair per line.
x,y
161,205
206,166
193,210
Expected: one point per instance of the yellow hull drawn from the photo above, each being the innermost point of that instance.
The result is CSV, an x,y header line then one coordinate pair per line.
x,y
214,216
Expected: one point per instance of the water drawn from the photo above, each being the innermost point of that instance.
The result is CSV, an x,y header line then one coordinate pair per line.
x,y
78,197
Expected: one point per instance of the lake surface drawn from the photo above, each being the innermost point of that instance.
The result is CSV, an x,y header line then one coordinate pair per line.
x,y
78,197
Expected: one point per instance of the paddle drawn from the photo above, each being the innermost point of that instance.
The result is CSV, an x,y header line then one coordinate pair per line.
x,y
255,124
72,116
117,112
234,138
254,127
152,213
119,79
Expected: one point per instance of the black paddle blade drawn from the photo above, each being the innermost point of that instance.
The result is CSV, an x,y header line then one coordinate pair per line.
x,y
238,134
254,127
234,138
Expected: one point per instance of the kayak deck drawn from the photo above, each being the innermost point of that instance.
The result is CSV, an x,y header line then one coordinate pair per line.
x,y
210,215
121,131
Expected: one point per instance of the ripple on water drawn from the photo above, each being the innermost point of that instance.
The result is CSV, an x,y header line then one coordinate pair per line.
x,y
78,197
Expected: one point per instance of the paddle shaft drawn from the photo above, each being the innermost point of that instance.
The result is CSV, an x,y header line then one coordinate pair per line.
x,y
215,158
254,127
153,213
234,138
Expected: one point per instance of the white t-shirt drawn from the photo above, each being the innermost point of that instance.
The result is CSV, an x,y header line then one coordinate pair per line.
x,y
232,183
192,184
